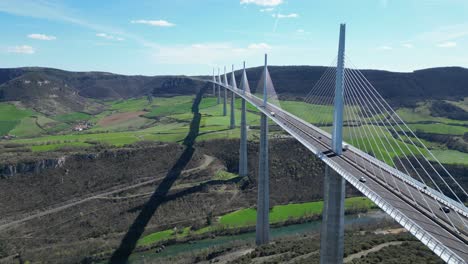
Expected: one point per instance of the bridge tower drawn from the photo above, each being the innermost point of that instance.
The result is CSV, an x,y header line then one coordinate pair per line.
x,y
332,232
263,205
233,100
219,89
243,129
225,93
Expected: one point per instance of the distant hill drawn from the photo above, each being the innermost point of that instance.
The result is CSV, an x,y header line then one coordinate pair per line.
x,y
398,88
57,91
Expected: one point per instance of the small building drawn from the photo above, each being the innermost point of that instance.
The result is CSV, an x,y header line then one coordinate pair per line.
x,y
82,126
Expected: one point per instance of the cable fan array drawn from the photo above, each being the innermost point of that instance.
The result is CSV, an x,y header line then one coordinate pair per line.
x,y
372,126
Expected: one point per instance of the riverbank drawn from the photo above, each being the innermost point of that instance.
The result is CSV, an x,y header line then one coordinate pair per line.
x,y
246,241
242,221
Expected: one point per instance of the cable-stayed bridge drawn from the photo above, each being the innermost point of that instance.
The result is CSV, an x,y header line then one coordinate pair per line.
x,y
363,141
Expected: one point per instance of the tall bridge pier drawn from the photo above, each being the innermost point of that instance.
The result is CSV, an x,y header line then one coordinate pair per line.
x,y
225,93
332,232
233,100
243,129
219,89
263,200
214,83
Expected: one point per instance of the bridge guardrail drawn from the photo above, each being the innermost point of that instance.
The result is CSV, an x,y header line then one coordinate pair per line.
x,y
435,245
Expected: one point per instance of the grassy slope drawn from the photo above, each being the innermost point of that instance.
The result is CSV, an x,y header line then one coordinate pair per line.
x,y
73,117
170,119
422,114
11,116
247,217
280,213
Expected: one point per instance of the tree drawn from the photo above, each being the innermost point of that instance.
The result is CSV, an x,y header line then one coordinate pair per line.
x,y
149,97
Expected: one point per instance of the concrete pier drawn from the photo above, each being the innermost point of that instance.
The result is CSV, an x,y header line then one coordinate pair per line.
x,y
263,199
219,89
225,82
243,170
332,232
233,101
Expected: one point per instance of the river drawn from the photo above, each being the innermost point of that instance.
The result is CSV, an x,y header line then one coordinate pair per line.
x,y
371,217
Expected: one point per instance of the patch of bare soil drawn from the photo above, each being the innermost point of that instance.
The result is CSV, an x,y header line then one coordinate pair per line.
x,y
374,249
118,118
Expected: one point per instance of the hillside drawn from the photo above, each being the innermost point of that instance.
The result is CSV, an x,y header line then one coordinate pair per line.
x,y
52,91
397,87
69,90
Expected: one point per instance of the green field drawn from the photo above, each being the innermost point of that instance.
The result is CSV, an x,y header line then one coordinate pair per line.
x,y
281,213
422,114
73,117
247,217
172,124
11,116
440,128
167,119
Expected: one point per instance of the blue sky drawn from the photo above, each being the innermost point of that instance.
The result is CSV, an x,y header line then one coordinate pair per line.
x,y
156,37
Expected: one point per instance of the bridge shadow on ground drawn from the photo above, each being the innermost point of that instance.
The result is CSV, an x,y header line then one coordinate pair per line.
x,y
129,241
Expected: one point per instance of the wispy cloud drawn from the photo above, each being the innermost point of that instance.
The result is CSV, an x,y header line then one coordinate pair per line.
x,y
260,46
270,9
55,10
445,33
49,10
262,2
23,49
156,23
207,53
41,37
407,45
292,15
109,37
447,44
384,48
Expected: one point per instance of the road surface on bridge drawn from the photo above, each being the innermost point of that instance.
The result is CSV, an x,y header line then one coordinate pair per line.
x,y
382,181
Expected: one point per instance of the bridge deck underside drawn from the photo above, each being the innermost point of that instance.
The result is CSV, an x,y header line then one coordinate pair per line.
x,y
389,187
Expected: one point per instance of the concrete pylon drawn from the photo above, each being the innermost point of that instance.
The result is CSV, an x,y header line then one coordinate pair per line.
x,y
332,232
233,100
225,82
219,89
243,130
263,199
214,83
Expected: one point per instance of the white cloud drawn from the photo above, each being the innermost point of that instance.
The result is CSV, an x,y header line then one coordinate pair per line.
x,y
445,33
23,49
384,48
41,36
408,45
447,44
109,37
206,53
262,2
261,46
292,15
57,11
270,9
156,23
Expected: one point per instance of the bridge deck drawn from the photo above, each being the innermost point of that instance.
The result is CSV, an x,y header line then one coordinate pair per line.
x,y
380,181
